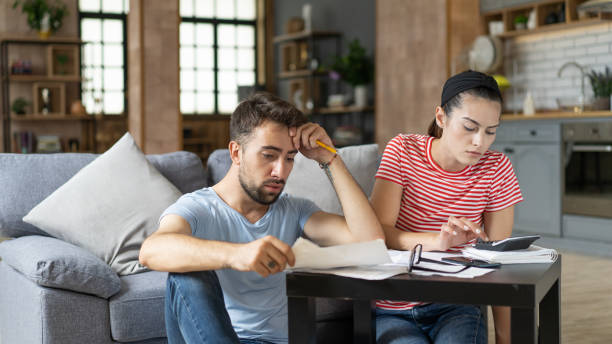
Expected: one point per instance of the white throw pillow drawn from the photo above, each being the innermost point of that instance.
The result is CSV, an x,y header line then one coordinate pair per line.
x,y
109,207
307,180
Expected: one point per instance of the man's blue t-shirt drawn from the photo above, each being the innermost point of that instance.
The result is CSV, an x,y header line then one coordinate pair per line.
x,y
256,305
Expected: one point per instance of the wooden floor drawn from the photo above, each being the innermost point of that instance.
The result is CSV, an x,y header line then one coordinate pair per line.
x,y
586,299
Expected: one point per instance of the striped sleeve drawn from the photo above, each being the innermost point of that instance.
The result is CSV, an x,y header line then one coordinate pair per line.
x,y
505,190
391,163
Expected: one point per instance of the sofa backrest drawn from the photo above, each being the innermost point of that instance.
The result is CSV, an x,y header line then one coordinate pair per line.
x,y
307,180
27,179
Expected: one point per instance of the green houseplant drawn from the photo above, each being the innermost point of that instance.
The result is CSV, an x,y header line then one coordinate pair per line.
x,y
520,22
357,69
44,16
601,83
19,106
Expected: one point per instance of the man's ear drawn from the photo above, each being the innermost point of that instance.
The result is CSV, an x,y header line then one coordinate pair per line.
x,y
235,151
440,117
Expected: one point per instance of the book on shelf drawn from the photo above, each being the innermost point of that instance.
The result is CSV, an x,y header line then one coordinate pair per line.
x,y
23,142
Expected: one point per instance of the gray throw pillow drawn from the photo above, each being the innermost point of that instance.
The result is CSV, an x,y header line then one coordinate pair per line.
x,y
307,180
54,263
109,207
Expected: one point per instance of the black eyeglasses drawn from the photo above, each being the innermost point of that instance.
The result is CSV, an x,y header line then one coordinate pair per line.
x,y
416,258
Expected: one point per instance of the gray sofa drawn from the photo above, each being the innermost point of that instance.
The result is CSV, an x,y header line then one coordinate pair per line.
x,y
97,306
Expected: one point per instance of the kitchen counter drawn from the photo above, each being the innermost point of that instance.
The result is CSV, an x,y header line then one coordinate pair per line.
x,y
556,115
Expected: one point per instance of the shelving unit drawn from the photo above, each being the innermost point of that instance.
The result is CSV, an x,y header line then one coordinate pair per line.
x,y
542,10
297,51
58,72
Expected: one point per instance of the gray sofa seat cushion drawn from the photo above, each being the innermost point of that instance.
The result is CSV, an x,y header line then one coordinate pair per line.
x,y
137,312
54,263
27,179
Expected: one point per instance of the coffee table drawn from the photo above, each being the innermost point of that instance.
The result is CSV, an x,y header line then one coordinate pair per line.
x,y
526,288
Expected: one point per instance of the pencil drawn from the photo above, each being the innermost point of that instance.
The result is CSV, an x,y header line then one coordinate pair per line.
x,y
326,147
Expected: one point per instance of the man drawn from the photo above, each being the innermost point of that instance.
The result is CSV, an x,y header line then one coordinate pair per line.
x,y
226,246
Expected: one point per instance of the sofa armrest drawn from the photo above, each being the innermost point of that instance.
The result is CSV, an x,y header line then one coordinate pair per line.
x,y
54,263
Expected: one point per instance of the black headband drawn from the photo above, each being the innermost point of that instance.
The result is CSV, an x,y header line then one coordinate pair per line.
x,y
466,81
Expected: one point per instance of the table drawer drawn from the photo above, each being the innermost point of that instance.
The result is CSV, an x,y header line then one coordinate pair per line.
x,y
529,132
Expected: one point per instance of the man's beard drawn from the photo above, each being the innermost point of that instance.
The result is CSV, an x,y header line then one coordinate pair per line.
x,y
258,194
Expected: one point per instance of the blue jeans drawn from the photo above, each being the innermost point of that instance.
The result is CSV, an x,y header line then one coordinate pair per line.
x,y
195,311
431,323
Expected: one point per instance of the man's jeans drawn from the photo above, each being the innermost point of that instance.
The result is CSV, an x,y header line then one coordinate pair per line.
x,y
431,323
195,310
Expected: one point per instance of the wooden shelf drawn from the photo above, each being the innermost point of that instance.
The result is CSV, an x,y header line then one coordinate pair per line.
x,y
41,117
305,35
556,114
541,10
40,77
556,27
197,141
343,109
11,38
301,74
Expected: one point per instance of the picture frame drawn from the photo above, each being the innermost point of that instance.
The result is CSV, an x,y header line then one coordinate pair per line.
x,y
62,60
49,98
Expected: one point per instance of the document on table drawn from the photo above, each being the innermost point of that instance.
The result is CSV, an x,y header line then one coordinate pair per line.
x,y
533,254
369,260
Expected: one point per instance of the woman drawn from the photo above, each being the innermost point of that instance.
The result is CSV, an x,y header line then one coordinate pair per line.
x,y
443,191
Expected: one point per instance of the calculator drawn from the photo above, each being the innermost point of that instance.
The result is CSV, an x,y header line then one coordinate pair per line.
x,y
510,244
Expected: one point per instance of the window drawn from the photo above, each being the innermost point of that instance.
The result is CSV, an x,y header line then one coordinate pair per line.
x,y
217,53
103,56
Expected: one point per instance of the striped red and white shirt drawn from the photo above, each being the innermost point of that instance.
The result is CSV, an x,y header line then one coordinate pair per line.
x,y
430,194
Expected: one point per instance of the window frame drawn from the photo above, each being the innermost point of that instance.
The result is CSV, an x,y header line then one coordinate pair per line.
x,y
215,22
115,16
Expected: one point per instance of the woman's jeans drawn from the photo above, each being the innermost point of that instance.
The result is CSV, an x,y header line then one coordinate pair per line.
x,y
431,323
195,311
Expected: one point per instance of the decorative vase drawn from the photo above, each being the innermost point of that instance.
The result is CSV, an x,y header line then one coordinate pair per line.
x,y
361,95
45,27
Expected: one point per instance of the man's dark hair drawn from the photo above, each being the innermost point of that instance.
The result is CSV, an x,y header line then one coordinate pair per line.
x,y
260,107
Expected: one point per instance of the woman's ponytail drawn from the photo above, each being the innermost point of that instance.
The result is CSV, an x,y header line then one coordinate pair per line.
x,y
434,130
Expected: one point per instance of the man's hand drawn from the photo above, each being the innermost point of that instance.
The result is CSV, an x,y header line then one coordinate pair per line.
x,y
458,231
266,256
305,140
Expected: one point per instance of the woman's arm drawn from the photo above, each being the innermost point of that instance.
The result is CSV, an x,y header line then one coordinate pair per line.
x,y
498,226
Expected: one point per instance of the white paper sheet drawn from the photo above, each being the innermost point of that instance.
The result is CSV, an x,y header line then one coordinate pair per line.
x,y
310,256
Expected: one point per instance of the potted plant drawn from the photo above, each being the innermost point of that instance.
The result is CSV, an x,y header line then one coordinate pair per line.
x,y
45,16
357,69
520,22
19,106
601,82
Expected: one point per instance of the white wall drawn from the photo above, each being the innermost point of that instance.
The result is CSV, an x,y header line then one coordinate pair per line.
x,y
539,57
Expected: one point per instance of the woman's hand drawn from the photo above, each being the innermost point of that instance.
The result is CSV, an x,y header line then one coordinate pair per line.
x,y
458,231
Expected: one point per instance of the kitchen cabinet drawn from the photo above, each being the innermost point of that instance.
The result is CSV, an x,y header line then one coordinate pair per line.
x,y
535,152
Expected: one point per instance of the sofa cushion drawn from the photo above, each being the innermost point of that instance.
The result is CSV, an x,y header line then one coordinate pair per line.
x,y
54,263
218,164
27,179
307,180
109,207
137,312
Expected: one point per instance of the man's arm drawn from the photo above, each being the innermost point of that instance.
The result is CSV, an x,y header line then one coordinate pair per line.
x,y
172,248
359,222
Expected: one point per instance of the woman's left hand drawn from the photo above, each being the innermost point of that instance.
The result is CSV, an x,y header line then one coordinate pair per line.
x,y
305,140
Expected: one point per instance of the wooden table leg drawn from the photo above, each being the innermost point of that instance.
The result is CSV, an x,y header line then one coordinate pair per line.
x,y
550,315
302,322
364,321
523,325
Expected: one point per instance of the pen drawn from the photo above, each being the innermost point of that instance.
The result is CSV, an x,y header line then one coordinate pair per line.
x,y
326,147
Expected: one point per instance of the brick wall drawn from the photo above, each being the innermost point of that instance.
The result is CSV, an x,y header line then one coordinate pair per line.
x,y
537,58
